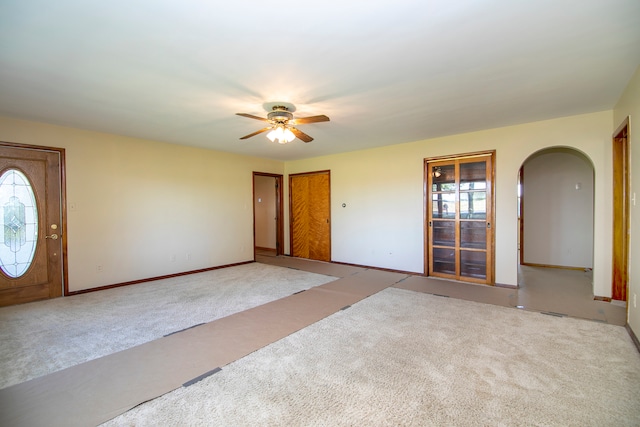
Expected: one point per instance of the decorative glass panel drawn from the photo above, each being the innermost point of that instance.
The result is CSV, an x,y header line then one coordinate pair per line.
x,y
443,178
473,176
473,205
443,205
473,264
18,223
444,260
473,234
444,233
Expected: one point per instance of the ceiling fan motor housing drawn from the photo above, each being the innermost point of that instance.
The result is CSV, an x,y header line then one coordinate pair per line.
x,y
280,114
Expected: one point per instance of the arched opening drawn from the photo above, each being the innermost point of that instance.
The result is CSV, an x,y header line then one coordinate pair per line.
x,y
556,209
556,233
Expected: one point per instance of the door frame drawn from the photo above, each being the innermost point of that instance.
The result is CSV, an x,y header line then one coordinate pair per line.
x,y
279,212
63,203
620,222
491,251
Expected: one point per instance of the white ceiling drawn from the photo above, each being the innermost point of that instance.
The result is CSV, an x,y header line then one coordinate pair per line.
x,y
384,71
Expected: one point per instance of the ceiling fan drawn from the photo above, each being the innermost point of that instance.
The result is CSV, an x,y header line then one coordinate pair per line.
x,y
282,125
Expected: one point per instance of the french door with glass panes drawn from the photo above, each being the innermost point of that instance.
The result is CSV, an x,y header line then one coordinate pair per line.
x,y
459,218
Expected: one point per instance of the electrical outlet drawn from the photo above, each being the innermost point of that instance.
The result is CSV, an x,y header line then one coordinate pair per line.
x,y
188,256
172,258
99,269
634,300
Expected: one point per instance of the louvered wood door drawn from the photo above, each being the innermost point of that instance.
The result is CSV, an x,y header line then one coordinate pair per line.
x,y
310,215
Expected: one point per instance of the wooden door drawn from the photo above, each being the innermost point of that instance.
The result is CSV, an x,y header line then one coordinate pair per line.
x,y
459,208
31,243
310,215
620,213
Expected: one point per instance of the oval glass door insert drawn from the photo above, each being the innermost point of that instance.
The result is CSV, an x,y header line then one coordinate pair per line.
x,y
19,223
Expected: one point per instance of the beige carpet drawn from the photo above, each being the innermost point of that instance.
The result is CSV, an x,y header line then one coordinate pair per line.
x,y
401,358
47,336
395,358
105,387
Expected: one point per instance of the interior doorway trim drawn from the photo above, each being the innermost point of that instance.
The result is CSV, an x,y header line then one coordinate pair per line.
x,y
279,212
620,262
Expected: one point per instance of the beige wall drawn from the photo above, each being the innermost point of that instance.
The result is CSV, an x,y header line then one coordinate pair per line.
x,y
139,203
144,209
382,188
629,105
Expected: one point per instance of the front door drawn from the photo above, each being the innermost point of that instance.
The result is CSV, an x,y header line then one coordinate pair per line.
x,y
31,224
310,215
459,218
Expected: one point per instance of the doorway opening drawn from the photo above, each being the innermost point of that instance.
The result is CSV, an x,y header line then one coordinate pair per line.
x,y
556,233
556,194
268,225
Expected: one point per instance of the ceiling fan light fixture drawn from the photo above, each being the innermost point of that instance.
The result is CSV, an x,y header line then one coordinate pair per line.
x,y
272,135
281,125
288,136
281,134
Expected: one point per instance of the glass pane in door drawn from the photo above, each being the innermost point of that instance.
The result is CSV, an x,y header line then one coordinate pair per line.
x,y
473,205
473,176
443,205
18,222
444,233
473,264
443,178
444,260
473,235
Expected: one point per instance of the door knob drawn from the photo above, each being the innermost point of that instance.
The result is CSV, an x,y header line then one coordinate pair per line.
x,y
52,237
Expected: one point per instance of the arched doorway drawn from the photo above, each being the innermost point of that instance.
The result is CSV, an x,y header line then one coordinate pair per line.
x,y
556,235
556,192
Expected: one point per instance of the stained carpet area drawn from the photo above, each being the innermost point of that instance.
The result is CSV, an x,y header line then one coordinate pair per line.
x,y
97,390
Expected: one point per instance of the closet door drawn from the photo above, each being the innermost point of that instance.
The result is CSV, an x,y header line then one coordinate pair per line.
x,y
310,215
459,218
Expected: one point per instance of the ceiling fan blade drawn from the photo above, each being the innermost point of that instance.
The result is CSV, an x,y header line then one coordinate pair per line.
x,y
251,116
256,133
312,119
301,135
